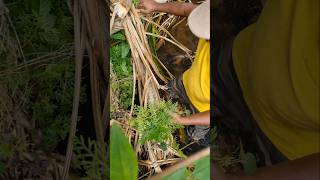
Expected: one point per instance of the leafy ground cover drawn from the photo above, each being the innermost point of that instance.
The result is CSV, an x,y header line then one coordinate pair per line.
x,y
122,75
36,93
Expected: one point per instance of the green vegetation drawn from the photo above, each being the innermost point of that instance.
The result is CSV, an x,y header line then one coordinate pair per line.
x,y
200,170
135,3
120,58
123,159
233,156
38,77
6,152
154,122
2,167
44,27
92,157
52,107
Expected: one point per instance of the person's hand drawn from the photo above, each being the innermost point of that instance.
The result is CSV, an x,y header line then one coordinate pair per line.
x,y
147,6
176,118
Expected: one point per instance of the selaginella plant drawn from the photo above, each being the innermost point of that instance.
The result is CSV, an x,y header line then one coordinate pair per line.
x,y
154,122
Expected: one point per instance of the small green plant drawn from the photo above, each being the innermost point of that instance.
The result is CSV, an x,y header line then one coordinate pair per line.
x,y
154,122
121,63
92,157
135,3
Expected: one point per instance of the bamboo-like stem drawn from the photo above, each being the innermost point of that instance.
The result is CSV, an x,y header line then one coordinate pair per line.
x,y
169,40
167,32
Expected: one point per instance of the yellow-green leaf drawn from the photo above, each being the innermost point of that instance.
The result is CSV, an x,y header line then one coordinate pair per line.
x,y
123,159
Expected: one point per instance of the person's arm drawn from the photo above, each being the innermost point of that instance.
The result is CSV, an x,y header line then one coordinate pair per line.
x,y
300,169
176,8
200,119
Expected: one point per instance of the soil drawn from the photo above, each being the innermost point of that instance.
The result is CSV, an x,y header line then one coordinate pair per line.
x,y
174,58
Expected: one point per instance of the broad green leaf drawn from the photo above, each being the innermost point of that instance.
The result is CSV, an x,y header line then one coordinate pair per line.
x,y
118,36
123,160
181,174
249,163
202,169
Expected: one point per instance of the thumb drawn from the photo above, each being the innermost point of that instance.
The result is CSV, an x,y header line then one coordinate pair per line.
x,y
175,117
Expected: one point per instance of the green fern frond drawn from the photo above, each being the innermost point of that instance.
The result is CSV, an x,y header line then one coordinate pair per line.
x,y
93,157
154,122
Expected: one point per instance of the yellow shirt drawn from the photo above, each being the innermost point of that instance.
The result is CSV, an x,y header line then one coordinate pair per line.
x,y
196,80
277,63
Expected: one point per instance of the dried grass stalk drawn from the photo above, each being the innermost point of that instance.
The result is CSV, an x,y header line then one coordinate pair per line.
x,y
148,74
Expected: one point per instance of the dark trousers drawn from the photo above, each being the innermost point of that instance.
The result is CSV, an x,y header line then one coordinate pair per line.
x,y
177,92
231,114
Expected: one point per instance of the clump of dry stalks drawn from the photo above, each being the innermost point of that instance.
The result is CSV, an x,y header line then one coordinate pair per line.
x,y
149,73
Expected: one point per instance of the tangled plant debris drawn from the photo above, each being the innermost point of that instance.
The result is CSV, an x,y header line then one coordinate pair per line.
x,y
147,123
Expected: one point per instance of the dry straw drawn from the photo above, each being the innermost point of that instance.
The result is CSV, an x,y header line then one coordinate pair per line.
x,y
148,71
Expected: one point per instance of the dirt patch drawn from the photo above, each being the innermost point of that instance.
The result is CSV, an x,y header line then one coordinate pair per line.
x,y
174,58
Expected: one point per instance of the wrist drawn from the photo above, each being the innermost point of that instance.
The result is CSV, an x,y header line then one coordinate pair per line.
x,y
157,7
184,120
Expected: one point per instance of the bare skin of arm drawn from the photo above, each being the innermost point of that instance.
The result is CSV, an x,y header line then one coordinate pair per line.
x,y
301,169
200,119
176,8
